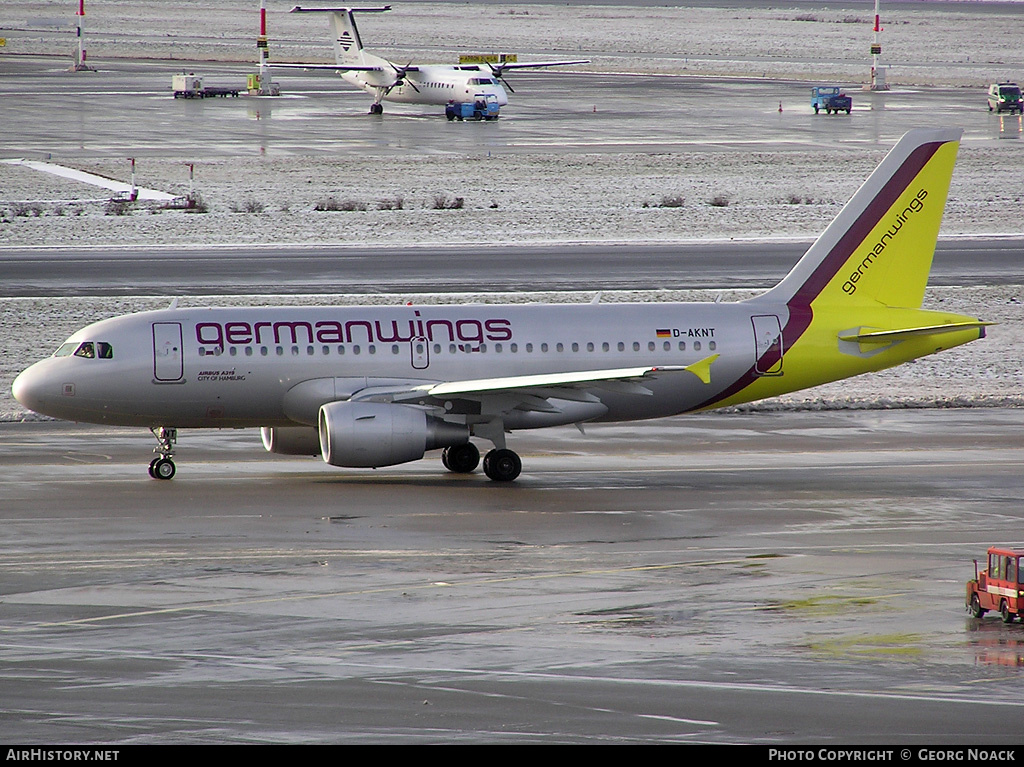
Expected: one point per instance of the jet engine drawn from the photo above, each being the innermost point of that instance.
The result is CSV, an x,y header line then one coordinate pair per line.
x,y
370,434
291,440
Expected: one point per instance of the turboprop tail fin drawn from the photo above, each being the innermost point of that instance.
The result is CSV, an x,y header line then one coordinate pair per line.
x,y
348,48
879,248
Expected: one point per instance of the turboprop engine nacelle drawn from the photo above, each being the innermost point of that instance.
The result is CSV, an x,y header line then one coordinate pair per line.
x,y
371,434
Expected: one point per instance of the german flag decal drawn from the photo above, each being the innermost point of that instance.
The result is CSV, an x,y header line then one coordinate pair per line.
x,y
664,333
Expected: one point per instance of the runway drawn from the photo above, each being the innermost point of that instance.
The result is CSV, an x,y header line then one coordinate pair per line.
x,y
757,578
113,270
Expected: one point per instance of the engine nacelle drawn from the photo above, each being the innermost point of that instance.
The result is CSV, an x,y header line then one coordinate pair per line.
x,y
291,440
371,434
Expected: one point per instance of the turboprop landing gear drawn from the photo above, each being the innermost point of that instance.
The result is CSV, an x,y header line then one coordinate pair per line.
x,y
502,465
376,109
461,459
162,467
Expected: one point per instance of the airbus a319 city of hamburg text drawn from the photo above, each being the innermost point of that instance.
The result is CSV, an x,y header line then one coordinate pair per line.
x,y
378,386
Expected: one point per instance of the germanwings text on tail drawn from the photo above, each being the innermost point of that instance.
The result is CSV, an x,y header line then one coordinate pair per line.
x,y
375,386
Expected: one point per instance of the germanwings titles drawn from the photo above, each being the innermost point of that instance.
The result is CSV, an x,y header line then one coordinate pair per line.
x,y
375,386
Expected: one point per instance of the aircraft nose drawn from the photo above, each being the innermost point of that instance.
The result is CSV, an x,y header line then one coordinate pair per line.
x,y
31,388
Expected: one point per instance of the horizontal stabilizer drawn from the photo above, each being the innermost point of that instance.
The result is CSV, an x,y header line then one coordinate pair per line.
x,y
300,9
888,336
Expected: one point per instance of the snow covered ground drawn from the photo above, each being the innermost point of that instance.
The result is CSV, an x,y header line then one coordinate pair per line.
x,y
535,197
933,43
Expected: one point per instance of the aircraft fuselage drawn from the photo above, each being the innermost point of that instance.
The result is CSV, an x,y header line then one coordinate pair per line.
x,y
433,84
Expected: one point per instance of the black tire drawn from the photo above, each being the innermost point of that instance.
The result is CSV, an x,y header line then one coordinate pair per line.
x,y
162,468
976,609
461,459
1004,611
502,465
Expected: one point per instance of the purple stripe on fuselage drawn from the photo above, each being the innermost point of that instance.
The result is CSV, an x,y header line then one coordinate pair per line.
x,y
800,313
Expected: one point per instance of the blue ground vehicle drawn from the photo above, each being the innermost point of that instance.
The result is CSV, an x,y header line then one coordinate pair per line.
x,y
484,106
831,99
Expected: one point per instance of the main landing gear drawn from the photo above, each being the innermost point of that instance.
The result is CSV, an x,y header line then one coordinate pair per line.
x,y
162,467
500,465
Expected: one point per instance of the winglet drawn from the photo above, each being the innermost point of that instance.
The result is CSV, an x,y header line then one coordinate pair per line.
x,y
702,369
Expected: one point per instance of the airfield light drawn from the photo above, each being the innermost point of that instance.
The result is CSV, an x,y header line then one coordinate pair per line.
x,y
80,65
878,82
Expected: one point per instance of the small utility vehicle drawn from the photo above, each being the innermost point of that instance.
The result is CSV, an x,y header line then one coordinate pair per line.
x,y
1000,586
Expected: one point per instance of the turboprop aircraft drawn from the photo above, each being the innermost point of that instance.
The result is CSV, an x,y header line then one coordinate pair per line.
x,y
409,83
373,386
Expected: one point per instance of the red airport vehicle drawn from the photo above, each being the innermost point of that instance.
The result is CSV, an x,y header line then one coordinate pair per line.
x,y
998,587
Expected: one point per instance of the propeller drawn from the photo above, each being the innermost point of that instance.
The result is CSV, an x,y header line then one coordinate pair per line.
x,y
497,72
400,73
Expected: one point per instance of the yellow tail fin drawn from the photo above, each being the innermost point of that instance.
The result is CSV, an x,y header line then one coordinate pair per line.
x,y
879,248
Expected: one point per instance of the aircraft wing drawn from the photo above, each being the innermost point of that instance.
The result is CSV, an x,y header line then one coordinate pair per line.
x,y
525,65
531,391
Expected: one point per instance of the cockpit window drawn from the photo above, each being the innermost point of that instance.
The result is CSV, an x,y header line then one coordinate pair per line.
x,y
87,349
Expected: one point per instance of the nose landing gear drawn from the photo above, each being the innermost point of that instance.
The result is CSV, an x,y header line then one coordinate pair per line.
x,y
162,467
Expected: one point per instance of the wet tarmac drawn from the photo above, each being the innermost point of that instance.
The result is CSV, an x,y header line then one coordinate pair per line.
x,y
552,112
728,578
773,578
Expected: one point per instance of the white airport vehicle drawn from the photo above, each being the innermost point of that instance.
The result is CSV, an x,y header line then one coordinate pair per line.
x,y
432,84
378,386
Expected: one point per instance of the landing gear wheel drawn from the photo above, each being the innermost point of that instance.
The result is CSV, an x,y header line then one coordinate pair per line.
x,y
976,610
461,459
376,109
502,465
161,468
1004,610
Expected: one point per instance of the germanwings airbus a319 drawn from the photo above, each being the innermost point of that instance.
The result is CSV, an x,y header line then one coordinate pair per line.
x,y
372,386
409,83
